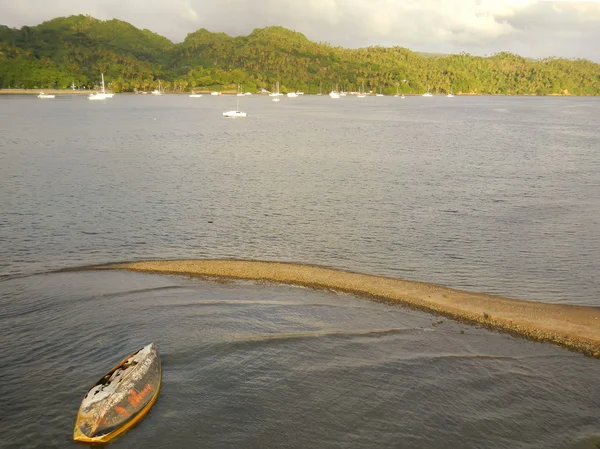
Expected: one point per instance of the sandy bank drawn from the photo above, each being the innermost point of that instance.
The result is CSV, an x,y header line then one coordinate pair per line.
x,y
574,327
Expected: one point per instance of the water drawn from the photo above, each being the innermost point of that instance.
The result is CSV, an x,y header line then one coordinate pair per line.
x,y
487,194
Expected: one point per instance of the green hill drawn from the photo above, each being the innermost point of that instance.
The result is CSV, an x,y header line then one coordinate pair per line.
x,y
78,48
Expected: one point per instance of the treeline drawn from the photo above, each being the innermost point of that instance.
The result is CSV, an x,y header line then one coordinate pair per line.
x,y
77,49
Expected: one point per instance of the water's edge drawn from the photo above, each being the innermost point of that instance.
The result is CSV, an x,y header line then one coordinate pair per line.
x,y
574,327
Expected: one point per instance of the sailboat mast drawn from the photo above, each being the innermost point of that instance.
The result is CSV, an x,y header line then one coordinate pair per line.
x,y
103,91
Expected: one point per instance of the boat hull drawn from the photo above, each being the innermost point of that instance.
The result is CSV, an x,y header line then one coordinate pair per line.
x,y
121,398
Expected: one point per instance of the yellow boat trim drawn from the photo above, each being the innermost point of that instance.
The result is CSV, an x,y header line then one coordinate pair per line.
x,y
80,437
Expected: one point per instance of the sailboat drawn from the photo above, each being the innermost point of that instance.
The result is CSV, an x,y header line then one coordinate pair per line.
x,y
397,93
320,89
237,112
99,95
361,94
195,95
159,91
427,94
450,94
43,95
334,93
73,85
379,94
276,93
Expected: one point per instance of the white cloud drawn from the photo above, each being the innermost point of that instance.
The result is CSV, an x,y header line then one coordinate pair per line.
x,y
534,27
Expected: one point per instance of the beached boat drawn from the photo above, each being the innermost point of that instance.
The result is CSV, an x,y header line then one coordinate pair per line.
x,y
43,95
121,398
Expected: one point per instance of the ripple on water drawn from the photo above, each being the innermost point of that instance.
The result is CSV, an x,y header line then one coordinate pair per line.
x,y
263,365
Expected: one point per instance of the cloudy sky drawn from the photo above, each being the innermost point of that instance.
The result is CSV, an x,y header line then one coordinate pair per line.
x,y
534,28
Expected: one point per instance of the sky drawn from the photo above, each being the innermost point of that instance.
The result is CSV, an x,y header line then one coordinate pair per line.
x,y
531,28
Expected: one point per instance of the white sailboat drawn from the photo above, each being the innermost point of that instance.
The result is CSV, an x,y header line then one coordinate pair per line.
x,y
334,93
275,94
195,95
427,94
99,95
450,94
237,112
42,95
320,89
159,91
292,94
361,94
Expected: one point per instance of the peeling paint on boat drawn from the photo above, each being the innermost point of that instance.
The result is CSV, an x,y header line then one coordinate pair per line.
x,y
121,398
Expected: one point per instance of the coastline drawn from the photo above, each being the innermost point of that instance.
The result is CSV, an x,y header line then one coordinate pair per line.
x,y
573,327
66,92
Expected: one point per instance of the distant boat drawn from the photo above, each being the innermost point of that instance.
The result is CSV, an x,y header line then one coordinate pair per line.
x,y
292,94
402,96
450,94
120,398
275,94
215,93
43,95
361,94
237,112
320,89
334,93
427,94
160,91
195,95
248,94
379,94
99,95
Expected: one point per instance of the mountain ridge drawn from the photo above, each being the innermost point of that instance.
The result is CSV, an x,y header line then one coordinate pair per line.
x,y
77,48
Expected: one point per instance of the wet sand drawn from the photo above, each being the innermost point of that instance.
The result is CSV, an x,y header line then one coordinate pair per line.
x,y
573,327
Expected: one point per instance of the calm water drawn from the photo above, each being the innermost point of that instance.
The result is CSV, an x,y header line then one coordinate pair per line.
x,y
488,194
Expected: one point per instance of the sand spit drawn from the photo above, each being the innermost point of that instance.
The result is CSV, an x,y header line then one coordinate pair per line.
x,y
573,327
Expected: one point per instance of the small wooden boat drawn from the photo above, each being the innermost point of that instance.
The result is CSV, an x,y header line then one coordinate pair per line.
x,y
121,398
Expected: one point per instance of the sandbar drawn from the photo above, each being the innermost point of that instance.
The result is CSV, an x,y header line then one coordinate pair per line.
x,y
571,326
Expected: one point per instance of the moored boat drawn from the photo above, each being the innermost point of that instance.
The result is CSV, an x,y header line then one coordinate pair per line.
x,y
120,398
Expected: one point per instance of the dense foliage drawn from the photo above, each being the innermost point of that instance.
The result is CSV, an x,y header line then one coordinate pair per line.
x,y
77,49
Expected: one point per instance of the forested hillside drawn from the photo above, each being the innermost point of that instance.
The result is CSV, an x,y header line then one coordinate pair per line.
x,y
77,48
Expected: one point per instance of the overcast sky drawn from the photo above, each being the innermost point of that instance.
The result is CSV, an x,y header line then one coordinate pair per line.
x,y
534,28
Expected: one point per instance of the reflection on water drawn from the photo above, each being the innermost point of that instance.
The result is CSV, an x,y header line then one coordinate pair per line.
x,y
258,365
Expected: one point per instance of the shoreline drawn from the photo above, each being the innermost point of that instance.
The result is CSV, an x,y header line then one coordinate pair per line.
x,y
232,92
573,327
